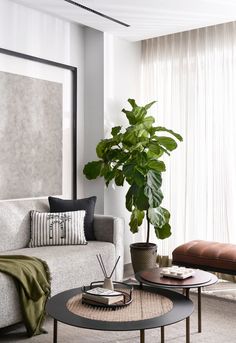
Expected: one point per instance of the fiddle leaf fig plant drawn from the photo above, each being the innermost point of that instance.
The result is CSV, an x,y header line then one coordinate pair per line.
x,y
133,154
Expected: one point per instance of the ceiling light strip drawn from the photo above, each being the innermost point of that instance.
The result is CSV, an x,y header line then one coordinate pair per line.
x,y
96,12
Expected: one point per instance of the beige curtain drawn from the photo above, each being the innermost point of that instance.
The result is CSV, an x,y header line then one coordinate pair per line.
x,y
192,75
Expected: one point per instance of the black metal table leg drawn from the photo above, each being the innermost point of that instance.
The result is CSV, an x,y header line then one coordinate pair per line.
x,y
199,310
142,336
187,321
55,331
162,334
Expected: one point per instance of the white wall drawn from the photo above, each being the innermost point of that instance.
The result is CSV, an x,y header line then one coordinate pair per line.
x,y
94,107
35,33
122,81
112,75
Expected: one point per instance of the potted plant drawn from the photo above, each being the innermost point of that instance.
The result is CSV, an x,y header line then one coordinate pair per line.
x,y
133,155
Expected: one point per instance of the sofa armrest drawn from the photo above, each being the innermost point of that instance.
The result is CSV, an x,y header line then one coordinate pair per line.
x,y
111,229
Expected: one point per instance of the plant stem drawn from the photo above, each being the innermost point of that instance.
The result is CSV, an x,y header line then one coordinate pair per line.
x,y
148,227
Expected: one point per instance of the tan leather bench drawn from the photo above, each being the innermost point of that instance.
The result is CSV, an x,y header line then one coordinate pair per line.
x,y
212,256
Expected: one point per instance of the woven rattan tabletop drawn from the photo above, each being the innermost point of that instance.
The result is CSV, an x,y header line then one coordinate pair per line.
x,y
145,305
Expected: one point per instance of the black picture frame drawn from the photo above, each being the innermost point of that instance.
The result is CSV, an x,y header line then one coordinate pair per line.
x,y
73,71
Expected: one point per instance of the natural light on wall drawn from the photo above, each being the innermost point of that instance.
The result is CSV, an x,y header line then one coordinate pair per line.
x,y
192,75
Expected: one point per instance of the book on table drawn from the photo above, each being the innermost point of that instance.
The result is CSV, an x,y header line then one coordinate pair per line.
x,y
103,296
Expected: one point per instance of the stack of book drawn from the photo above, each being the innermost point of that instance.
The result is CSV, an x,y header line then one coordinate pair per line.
x,y
102,296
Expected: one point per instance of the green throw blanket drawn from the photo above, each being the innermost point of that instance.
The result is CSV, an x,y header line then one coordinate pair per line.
x,y
32,278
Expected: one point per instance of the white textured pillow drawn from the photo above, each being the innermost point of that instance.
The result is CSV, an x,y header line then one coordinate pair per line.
x,y
62,228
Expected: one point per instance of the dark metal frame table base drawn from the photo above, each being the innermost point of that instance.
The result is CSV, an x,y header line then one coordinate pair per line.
x,y
57,308
153,278
142,333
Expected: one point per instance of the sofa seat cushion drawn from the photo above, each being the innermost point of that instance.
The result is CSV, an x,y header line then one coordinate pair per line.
x,y
211,255
65,264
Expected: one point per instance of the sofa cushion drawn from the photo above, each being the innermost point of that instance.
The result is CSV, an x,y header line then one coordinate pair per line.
x,y
61,228
70,267
87,204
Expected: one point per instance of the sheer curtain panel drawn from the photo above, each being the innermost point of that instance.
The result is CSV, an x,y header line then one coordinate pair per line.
x,y
192,75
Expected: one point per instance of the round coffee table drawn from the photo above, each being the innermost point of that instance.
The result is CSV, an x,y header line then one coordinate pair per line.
x,y
201,278
151,308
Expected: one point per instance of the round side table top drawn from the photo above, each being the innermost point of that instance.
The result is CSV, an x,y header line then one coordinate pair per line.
x,y
199,279
151,308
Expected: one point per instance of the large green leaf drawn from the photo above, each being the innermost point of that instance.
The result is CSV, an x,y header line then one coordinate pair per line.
x,y
110,175
154,179
155,140
141,133
154,147
166,214
130,197
137,114
137,148
141,200
108,172
163,232
119,179
130,116
102,147
136,220
130,138
169,143
115,130
129,170
92,169
157,165
152,155
152,189
132,102
148,122
112,155
139,178
121,156
149,105
105,169
157,216
141,158
176,135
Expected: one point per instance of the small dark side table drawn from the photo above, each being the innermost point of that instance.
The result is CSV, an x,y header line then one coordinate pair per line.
x,y
151,308
201,278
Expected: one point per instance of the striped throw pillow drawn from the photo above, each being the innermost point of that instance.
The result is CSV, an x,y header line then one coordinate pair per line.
x,y
62,228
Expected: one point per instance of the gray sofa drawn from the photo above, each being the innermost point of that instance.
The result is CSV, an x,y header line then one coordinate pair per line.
x,y
70,266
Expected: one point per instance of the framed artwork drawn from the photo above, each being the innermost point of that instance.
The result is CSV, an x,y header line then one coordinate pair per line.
x,y
38,125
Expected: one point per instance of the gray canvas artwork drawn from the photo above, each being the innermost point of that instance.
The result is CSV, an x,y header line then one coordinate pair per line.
x,y
30,137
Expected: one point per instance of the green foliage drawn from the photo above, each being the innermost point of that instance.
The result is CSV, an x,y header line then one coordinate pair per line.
x,y
133,155
136,220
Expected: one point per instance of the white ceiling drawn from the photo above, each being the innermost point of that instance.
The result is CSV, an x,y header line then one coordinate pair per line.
x,y
147,18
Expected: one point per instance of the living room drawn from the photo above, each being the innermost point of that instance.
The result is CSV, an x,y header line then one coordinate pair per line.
x,y
93,57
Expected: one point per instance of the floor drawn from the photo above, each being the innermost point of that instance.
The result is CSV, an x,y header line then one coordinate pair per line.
x,y
218,326
218,310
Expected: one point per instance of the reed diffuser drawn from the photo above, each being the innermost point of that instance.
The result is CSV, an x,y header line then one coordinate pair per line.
x,y
107,278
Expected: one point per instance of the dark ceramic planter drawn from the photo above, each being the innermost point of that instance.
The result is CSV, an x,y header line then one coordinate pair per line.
x,y
143,256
